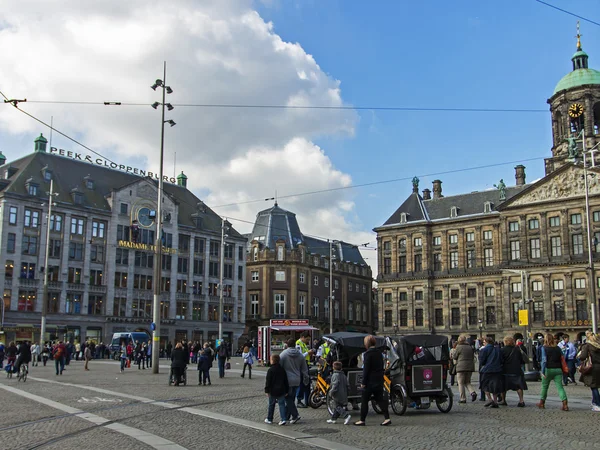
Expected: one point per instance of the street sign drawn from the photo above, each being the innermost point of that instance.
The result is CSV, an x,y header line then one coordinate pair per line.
x,y
523,317
152,326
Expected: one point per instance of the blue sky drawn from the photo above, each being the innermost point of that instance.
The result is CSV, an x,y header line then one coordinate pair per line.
x,y
438,54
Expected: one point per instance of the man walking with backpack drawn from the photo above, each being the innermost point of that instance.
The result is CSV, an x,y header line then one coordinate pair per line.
x,y
222,357
60,352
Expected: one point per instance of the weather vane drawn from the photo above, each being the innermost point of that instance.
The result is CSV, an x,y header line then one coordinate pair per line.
x,y
578,37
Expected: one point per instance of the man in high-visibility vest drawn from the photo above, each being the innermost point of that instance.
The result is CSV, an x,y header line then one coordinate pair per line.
x,y
322,354
302,345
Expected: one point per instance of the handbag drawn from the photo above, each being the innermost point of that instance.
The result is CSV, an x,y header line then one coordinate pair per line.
x,y
586,366
227,366
563,364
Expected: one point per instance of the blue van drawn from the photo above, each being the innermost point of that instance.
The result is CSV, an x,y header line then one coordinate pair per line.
x,y
129,337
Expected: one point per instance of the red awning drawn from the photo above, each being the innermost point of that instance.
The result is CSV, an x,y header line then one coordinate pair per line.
x,y
294,328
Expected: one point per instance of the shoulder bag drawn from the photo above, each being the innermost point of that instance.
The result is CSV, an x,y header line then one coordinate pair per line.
x,y
563,364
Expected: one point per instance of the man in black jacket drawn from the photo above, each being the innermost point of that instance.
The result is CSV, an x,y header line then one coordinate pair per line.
x,y
372,382
276,388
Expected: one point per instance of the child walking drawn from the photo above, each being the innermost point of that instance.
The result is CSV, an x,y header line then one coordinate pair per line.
x,y
247,357
203,368
276,388
339,393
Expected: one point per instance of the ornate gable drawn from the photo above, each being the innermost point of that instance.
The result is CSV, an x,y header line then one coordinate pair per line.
x,y
560,185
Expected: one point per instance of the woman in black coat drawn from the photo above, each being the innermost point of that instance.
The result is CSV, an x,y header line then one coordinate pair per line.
x,y
372,382
591,349
178,362
513,359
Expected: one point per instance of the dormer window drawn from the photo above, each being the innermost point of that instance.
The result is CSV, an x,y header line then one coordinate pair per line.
x,y
32,188
454,211
47,174
403,217
88,182
77,196
280,252
487,207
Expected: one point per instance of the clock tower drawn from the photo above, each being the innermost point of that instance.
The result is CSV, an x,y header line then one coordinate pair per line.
x,y
575,110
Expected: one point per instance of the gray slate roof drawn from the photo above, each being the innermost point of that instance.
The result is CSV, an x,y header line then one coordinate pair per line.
x,y
69,174
276,223
440,208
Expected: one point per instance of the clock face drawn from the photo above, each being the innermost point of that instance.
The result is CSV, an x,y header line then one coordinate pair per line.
x,y
575,110
143,217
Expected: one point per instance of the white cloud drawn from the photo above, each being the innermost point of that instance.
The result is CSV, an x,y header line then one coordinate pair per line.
x,y
218,52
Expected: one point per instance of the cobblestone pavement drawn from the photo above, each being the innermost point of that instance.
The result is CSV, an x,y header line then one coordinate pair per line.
x,y
230,414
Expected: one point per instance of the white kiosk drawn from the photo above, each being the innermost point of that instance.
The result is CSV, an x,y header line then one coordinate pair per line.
x,y
271,339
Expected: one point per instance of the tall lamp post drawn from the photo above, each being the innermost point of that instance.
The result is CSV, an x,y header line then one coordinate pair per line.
x,y
224,231
526,304
593,306
51,203
158,245
331,294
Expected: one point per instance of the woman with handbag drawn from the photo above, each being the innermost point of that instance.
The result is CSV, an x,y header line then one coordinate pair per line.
x,y
513,360
590,367
464,362
552,369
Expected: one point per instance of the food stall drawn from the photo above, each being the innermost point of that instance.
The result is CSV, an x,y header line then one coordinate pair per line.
x,y
271,339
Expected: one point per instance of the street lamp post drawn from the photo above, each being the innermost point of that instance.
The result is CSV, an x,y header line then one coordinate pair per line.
x,y
224,230
526,304
156,310
330,286
51,194
589,237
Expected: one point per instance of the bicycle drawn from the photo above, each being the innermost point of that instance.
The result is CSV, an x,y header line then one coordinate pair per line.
x,y
23,371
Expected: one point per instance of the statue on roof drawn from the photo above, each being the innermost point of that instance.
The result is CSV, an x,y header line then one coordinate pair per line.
x,y
415,183
502,188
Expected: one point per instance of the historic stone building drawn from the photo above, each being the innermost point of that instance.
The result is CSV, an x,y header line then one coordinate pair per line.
x,y
288,276
101,252
453,264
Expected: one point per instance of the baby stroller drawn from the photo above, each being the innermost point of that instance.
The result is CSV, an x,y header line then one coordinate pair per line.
x,y
183,380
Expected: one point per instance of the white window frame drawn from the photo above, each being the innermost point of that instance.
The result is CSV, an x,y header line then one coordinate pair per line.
x,y
558,285
437,240
515,250
513,226
418,242
488,235
516,287
316,280
280,275
537,286
453,238
254,276
580,283
280,305
301,277
470,236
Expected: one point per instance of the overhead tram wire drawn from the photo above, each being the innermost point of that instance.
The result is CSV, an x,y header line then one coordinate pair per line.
x,y
364,246
300,107
568,12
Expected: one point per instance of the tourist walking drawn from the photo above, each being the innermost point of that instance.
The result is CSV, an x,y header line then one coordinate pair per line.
x,y
149,355
464,361
490,372
123,356
372,382
35,354
204,365
179,360
222,357
296,370
591,351
339,393
60,354
45,353
276,388
248,361
552,371
570,354
303,346
87,355
513,360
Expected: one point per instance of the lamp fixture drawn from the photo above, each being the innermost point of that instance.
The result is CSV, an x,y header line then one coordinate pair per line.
x,y
169,90
170,107
155,105
171,122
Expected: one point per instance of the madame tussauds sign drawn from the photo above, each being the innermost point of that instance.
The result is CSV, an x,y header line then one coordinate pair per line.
x,y
112,165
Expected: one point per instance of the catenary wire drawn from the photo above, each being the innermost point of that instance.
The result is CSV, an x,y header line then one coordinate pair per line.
x,y
322,107
568,12
151,182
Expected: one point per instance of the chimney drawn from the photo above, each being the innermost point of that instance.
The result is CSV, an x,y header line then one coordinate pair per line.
x,y
2,159
520,174
437,189
426,194
182,180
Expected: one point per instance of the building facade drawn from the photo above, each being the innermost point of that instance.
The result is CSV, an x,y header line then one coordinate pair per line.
x,y
468,263
101,252
288,277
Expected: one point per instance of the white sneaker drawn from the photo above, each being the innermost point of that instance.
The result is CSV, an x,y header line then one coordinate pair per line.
x,y
268,421
331,421
283,422
595,408
293,421
347,419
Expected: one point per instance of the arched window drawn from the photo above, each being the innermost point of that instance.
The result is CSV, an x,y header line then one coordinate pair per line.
x,y
596,124
560,127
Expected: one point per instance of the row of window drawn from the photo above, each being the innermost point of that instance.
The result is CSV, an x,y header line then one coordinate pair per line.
x,y
280,275
553,221
556,249
31,219
139,307
356,310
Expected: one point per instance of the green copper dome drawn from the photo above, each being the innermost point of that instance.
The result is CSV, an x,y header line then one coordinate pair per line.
x,y
578,77
581,74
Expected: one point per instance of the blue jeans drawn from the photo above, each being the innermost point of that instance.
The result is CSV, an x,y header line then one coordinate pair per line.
x,y
595,396
59,364
221,366
290,401
571,374
281,401
123,361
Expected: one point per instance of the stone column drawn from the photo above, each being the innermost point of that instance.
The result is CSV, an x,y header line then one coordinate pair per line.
x,y
569,296
547,298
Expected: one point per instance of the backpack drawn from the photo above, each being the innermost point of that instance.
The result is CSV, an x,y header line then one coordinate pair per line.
x,y
58,353
222,352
